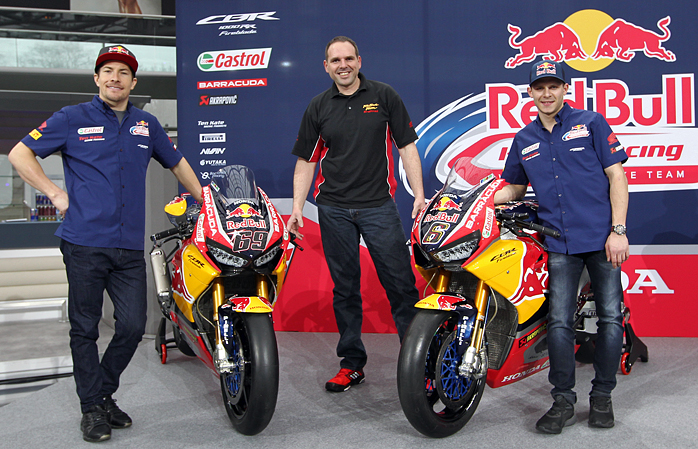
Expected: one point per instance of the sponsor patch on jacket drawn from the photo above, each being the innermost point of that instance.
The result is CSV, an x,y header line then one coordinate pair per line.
x,y
141,129
530,148
371,107
617,149
576,132
531,156
91,130
35,134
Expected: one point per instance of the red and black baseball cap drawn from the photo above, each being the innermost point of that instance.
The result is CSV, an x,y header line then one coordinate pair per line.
x,y
117,53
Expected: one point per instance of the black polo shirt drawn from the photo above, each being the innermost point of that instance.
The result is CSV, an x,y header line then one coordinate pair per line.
x,y
352,139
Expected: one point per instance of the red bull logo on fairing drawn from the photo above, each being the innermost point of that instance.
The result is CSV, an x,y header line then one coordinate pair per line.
x,y
589,41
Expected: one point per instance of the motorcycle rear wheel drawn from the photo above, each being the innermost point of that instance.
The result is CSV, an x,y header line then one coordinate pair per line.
x,y
419,369
251,390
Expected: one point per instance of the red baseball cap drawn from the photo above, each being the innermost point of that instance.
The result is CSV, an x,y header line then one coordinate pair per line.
x,y
117,53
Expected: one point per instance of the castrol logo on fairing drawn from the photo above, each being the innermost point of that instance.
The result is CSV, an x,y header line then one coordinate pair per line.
x,y
226,60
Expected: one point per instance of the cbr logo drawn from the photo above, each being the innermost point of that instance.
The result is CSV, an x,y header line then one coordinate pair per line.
x,y
505,255
233,18
195,261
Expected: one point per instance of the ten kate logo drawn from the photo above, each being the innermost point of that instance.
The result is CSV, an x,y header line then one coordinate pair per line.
x,y
140,129
227,60
221,100
590,40
226,84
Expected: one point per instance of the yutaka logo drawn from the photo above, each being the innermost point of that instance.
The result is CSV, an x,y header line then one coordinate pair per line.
x,y
228,60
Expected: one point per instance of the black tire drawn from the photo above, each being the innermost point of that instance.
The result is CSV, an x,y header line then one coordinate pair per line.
x,y
251,390
420,368
182,345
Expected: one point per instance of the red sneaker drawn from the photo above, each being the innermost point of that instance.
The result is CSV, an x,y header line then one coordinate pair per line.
x,y
344,379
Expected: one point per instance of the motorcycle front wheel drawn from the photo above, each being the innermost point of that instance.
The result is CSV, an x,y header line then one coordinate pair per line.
x,y
250,390
435,399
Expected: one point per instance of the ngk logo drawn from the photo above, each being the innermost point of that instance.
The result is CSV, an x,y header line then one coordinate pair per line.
x,y
218,61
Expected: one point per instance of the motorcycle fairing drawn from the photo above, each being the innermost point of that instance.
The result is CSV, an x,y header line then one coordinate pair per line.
x,y
528,355
249,304
440,301
194,340
191,278
501,266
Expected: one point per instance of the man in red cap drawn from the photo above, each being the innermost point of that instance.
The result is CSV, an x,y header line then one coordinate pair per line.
x,y
106,146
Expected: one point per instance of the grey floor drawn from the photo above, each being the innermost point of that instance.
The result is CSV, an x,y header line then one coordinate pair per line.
x,y
179,405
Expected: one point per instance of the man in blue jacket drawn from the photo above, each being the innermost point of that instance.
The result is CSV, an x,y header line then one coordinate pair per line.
x,y
106,145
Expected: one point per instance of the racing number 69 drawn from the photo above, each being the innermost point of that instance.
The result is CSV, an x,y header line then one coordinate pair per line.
x,y
245,240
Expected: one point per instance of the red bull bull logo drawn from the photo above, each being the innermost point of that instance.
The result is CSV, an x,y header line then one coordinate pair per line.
x,y
244,211
590,40
446,203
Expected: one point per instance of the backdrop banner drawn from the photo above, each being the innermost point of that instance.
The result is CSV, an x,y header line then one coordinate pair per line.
x,y
248,69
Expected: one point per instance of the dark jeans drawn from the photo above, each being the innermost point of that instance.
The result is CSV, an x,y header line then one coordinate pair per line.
x,y
565,271
382,231
90,271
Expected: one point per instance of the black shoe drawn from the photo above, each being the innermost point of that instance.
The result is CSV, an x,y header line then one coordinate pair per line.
x,y
601,412
94,425
560,415
118,419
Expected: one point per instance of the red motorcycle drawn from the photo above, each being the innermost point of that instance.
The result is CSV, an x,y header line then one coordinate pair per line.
x,y
486,321
228,266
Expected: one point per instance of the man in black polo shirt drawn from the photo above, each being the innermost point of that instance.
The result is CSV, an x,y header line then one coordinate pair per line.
x,y
349,130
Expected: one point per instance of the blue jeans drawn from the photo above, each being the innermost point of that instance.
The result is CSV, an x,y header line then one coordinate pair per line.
x,y
90,271
384,236
565,271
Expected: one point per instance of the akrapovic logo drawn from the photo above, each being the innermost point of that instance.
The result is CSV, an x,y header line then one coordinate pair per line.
x,y
212,138
237,18
221,100
227,60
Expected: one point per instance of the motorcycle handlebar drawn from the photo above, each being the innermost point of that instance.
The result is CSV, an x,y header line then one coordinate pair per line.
x,y
545,231
164,234
517,218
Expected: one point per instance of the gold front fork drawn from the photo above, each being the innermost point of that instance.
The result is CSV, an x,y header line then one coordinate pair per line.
x,y
263,287
480,304
218,298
